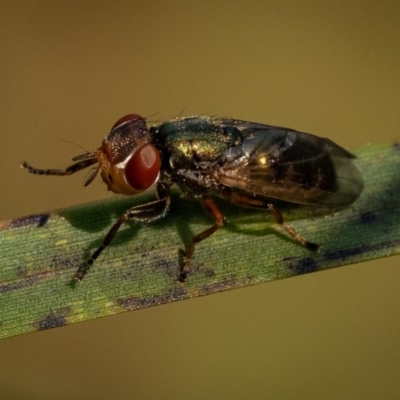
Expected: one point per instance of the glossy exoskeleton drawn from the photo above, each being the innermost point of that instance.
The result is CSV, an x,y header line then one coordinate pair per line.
x,y
246,163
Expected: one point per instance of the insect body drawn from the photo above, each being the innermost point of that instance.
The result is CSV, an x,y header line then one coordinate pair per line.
x,y
245,163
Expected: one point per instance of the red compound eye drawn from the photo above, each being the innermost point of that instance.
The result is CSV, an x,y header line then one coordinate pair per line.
x,y
142,170
126,118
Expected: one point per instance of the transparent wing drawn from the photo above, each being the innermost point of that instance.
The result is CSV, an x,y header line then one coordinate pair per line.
x,y
292,166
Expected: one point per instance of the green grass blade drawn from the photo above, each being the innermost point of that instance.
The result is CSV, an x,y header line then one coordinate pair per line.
x,y
40,253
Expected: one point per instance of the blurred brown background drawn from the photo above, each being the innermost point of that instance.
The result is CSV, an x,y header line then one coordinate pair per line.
x,y
70,69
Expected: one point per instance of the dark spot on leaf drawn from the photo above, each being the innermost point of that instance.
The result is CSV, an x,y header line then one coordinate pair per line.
x,y
20,271
61,260
35,220
8,287
51,321
304,266
170,268
209,272
135,302
396,146
368,217
342,254
227,283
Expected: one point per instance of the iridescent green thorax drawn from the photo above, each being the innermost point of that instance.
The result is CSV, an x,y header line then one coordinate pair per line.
x,y
193,142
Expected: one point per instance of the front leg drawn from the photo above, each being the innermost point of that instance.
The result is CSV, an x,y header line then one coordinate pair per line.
x,y
143,213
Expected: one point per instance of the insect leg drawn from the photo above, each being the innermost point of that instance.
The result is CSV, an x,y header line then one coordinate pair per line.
x,y
146,212
279,220
244,200
212,208
61,172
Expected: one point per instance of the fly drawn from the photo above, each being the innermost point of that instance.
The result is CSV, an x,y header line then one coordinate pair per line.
x,y
246,163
